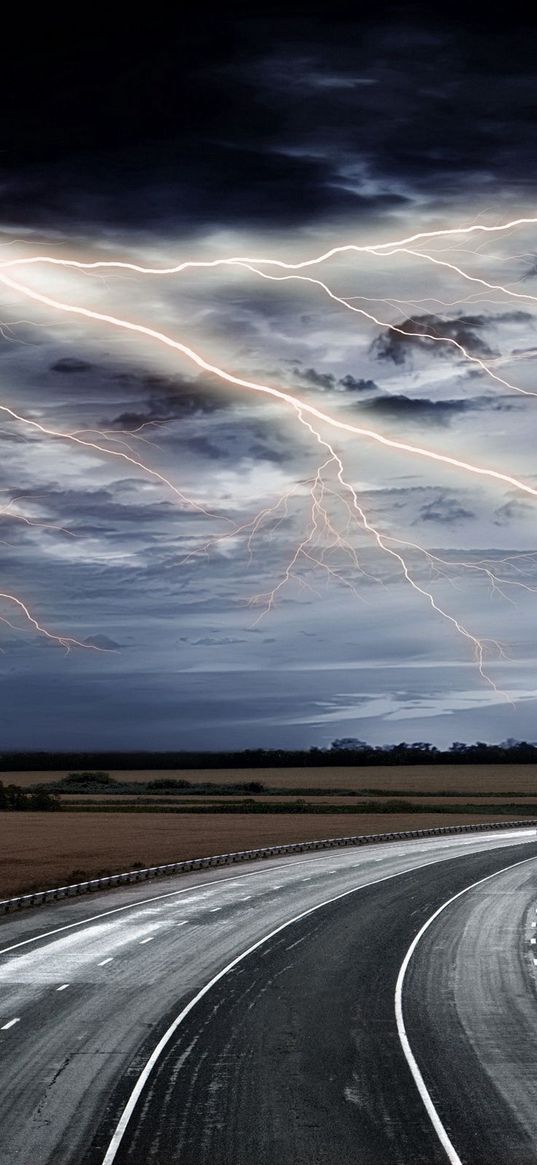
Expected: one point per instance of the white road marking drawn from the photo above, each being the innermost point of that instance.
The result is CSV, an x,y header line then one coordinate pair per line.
x,y
535,962
500,839
146,940
432,1113
228,882
214,909
533,941
183,923
134,1097
534,924
104,962
11,1023
63,987
246,898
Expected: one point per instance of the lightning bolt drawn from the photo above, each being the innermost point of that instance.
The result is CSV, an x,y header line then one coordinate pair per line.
x,y
340,249
32,623
307,414
287,398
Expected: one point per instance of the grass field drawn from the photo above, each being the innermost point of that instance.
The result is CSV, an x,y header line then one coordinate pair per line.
x,y
471,779
39,850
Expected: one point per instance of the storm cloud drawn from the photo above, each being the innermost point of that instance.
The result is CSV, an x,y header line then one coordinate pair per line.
x,y
184,533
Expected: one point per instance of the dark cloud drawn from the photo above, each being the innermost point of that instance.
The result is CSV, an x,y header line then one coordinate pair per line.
x,y
444,510
391,345
513,510
327,382
348,114
176,400
103,642
72,365
424,411
163,398
213,641
351,383
103,512
204,447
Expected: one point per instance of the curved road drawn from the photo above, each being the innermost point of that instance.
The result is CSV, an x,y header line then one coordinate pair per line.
x,y
295,1054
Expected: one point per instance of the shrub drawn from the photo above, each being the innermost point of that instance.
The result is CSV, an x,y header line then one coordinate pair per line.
x,y
87,779
44,802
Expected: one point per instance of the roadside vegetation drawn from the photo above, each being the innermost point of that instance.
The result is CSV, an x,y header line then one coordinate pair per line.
x,y
98,792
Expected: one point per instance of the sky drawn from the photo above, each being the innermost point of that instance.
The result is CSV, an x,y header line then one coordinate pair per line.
x,y
201,563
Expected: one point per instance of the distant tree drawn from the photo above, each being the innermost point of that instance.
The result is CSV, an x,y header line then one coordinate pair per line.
x,y
17,800
44,802
349,743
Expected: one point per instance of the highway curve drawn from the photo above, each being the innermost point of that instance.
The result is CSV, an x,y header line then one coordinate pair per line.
x,y
295,1054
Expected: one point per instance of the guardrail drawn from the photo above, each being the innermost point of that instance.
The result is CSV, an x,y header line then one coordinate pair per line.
x,y
40,897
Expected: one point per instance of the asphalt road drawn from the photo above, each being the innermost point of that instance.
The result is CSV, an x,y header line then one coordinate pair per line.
x,y
296,1053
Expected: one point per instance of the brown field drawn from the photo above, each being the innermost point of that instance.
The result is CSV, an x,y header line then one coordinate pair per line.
x,y
78,801
39,850
420,778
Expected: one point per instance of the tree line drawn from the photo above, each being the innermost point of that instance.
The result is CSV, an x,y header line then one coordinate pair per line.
x,y
346,751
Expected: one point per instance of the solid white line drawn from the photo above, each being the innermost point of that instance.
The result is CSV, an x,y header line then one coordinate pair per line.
x,y
432,1113
214,909
63,987
134,1097
146,940
10,1024
233,878
105,961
